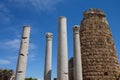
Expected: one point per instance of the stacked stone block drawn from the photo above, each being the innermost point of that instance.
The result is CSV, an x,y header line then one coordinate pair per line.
x,y
99,59
71,67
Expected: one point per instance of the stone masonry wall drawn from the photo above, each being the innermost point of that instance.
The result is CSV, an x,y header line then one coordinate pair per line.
x,y
71,67
99,59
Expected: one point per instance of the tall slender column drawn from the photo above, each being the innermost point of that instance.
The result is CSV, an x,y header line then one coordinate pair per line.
x,y
77,54
48,57
62,65
23,53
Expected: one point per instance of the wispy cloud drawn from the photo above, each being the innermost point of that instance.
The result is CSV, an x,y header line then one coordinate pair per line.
x,y
12,57
32,57
45,4
4,14
38,4
15,44
3,8
32,46
12,43
4,62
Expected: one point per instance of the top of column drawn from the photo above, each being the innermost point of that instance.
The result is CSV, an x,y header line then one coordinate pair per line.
x,y
26,31
62,17
26,26
76,29
94,11
49,35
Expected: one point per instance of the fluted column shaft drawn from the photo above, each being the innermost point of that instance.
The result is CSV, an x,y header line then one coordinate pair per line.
x,y
62,65
77,54
48,57
23,54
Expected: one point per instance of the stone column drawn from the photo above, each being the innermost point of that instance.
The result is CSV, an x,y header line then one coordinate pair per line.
x,y
77,54
62,65
48,57
23,54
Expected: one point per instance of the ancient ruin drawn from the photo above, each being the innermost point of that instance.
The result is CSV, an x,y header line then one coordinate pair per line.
x,y
77,54
99,58
62,65
95,55
48,57
23,54
70,68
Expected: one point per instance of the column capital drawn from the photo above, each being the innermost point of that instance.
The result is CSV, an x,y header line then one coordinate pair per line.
x,y
49,35
76,29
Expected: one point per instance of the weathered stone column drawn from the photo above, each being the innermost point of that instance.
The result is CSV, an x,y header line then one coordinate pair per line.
x,y
48,57
77,54
23,54
62,65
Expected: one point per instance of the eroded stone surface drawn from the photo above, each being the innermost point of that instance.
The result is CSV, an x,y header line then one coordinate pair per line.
x,y
99,57
23,54
48,57
62,64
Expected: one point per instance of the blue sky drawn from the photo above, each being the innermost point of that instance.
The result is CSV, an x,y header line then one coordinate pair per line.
x,y
42,16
